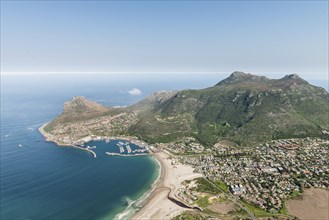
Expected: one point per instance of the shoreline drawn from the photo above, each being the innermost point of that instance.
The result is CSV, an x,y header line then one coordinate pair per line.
x,y
158,189
141,201
160,201
47,138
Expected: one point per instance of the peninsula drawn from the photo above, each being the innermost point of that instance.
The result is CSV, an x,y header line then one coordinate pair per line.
x,y
240,148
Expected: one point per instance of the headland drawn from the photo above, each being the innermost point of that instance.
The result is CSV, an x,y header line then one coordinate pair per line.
x,y
49,137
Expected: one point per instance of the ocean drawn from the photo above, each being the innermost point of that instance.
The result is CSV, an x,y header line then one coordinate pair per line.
x,y
40,180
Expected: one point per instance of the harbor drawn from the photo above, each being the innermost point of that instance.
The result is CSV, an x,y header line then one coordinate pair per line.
x,y
126,148
118,147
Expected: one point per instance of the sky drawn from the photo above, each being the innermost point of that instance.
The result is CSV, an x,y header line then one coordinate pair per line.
x,y
165,36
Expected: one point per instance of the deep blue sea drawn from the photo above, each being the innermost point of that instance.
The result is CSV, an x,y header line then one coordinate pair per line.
x,y
40,180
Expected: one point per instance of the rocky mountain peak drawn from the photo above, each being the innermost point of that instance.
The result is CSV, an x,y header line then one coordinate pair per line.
x,y
236,74
292,79
81,104
292,76
241,77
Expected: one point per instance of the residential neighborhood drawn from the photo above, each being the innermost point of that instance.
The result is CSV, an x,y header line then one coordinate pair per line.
x,y
265,175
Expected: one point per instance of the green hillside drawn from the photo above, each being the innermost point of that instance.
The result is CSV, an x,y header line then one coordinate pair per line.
x,y
243,108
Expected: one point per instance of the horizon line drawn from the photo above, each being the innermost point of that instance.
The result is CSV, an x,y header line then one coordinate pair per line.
x,y
114,72
316,75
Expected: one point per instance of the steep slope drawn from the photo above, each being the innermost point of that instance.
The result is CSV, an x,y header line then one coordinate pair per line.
x,y
242,108
79,108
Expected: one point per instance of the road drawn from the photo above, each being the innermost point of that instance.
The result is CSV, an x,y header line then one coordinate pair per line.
x,y
233,199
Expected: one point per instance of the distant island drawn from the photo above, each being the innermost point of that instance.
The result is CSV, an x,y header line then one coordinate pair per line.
x,y
240,148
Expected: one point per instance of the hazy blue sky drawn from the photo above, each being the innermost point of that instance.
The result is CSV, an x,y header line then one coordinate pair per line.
x,y
165,36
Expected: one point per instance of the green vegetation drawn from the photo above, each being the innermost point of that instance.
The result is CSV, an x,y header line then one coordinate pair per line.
x,y
188,215
283,210
203,201
205,186
242,109
294,194
48,127
222,185
258,212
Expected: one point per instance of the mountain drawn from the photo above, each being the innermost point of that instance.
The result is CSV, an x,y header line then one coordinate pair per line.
x,y
79,108
243,108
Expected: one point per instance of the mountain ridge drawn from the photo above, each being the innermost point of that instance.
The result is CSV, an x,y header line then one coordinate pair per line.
x,y
243,108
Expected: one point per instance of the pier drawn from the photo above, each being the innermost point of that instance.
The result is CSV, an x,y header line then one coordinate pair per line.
x,y
92,152
85,149
124,155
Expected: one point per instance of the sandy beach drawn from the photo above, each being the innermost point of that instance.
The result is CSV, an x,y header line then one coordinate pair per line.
x,y
314,205
158,205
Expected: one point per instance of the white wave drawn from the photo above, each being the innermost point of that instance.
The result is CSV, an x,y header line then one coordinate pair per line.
x,y
134,206
128,212
35,126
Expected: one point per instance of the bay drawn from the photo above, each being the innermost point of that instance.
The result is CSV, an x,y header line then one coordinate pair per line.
x,y
40,180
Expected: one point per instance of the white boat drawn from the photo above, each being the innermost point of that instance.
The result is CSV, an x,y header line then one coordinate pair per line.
x,y
122,150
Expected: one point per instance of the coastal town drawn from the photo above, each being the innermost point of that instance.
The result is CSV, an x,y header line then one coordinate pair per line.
x,y
265,176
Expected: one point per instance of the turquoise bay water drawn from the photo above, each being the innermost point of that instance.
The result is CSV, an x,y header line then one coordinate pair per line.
x,y
40,180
